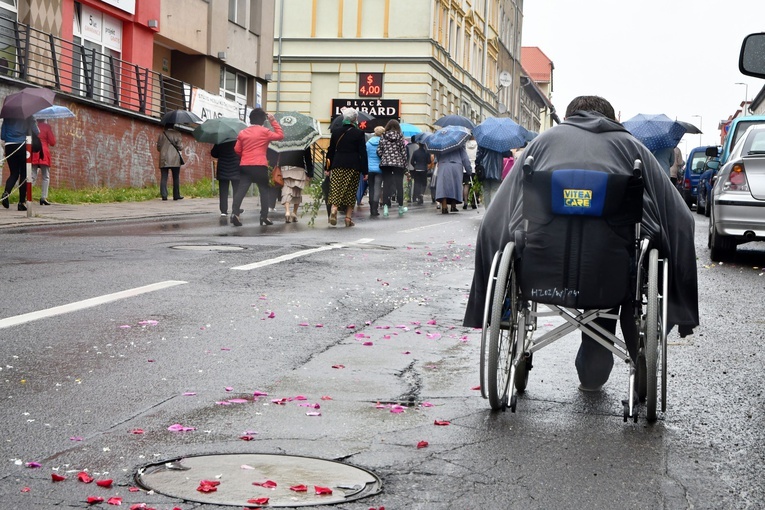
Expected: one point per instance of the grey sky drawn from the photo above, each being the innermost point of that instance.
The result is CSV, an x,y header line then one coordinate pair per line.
x,y
677,57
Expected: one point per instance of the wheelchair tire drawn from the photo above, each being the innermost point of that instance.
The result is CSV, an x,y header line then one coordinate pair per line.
x,y
651,336
502,333
486,320
522,373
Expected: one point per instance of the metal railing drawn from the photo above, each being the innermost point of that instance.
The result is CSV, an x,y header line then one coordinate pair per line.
x,y
31,55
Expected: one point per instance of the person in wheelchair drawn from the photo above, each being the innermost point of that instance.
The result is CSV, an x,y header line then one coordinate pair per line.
x,y
590,138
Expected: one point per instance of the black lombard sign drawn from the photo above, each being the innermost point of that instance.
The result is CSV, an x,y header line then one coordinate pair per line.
x,y
378,108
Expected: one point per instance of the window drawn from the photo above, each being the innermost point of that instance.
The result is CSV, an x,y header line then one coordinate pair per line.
x,y
7,37
233,86
256,14
237,11
101,37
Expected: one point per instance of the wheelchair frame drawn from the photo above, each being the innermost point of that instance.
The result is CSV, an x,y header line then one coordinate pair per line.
x,y
510,321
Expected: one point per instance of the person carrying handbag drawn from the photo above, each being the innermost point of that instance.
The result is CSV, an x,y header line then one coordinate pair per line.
x,y
170,145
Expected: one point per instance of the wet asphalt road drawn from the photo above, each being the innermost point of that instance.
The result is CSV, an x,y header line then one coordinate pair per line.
x,y
77,386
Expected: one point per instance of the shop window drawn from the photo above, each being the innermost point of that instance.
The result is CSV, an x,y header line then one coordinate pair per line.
x,y
101,37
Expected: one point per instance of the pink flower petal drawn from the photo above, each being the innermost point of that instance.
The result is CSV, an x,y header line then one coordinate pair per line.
x,y
189,394
475,388
57,477
326,397
322,490
432,322
229,388
137,431
320,325
303,324
92,500
386,337
106,483
124,326
397,409
33,465
338,366
367,343
441,423
271,315
299,488
300,397
84,477
268,484
407,352
426,404
75,438
422,444
350,326
114,500
258,501
257,393
238,400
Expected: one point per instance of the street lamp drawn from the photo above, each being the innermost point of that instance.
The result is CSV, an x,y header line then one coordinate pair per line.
x,y
700,122
746,95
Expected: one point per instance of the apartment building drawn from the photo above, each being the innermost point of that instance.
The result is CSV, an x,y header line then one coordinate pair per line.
x,y
416,60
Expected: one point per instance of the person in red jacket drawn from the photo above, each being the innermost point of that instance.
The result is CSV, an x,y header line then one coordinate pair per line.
x,y
41,160
252,145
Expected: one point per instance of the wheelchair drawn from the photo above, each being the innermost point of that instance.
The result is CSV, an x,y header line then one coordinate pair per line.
x,y
579,256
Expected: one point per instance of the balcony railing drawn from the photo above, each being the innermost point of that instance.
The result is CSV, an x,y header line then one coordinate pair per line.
x,y
36,57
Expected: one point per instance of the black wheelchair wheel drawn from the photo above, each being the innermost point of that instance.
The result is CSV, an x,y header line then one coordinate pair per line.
x,y
503,330
651,336
486,323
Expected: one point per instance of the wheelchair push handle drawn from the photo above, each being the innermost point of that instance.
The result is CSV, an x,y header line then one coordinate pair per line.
x,y
528,166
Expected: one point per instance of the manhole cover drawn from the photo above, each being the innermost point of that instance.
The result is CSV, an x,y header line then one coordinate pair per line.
x,y
208,247
244,479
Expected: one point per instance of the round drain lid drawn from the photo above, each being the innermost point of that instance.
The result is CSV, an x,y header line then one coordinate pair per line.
x,y
242,480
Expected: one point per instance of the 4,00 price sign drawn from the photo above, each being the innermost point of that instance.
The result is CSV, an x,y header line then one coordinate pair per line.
x,y
370,84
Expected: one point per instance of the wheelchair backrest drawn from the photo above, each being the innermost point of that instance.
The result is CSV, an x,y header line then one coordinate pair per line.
x,y
580,236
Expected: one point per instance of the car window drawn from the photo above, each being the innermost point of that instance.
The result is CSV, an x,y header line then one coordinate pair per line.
x,y
741,128
697,163
758,141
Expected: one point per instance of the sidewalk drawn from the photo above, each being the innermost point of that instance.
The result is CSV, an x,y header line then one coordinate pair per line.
x,y
62,214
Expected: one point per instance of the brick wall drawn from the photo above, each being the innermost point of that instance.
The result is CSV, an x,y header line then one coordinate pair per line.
x,y
101,147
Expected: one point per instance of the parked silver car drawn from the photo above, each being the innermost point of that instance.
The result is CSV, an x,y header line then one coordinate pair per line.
x,y
738,196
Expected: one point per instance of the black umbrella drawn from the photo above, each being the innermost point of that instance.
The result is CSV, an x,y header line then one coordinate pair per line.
x,y
180,117
690,129
26,103
455,120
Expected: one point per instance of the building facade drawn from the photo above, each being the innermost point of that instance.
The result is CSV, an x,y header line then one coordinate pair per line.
x,y
413,60
120,64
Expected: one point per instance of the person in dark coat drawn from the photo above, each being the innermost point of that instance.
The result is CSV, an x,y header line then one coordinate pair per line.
x,y
591,138
347,155
170,145
227,172
421,161
393,159
491,163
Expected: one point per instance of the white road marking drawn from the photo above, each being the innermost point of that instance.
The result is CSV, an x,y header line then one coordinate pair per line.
x,y
86,303
290,256
417,229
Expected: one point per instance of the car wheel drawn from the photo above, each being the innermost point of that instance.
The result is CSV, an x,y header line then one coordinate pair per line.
x,y
719,246
708,204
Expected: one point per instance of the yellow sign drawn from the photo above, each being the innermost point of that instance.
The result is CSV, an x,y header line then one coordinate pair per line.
x,y
577,197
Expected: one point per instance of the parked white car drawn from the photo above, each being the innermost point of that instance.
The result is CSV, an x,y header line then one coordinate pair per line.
x,y
738,196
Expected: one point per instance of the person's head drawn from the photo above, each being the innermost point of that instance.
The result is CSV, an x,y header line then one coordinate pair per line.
x,y
379,130
258,117
591,104
393,125
350,115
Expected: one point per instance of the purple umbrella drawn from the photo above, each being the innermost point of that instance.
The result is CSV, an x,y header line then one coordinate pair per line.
x,y
26,103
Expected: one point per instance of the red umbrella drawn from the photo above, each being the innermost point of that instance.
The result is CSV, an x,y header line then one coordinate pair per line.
x,y
26,103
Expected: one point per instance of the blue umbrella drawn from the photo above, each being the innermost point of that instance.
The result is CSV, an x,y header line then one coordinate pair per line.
x,y
447,139
54,112
409,130
655,131
455,120
420,137
500,134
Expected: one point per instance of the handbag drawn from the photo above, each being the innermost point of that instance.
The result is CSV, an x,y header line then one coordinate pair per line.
x,y
276,178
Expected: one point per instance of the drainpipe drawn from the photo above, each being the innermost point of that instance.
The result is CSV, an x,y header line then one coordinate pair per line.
x,y
279,55
485,62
